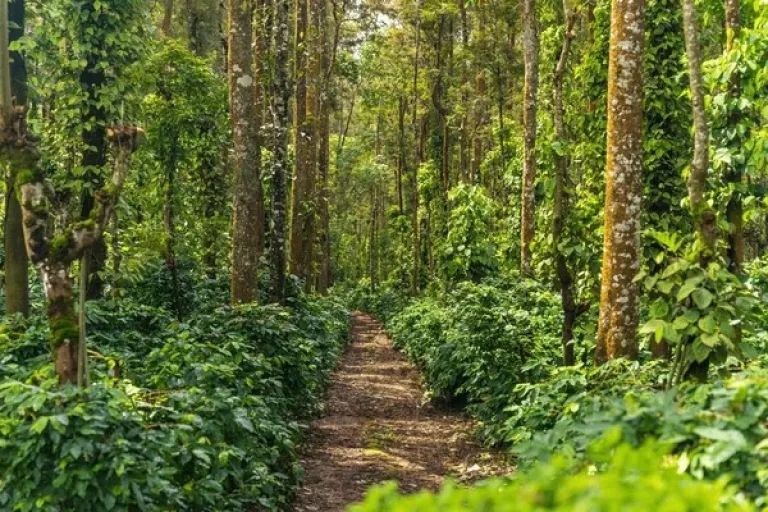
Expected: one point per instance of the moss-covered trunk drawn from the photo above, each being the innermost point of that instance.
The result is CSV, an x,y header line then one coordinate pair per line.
x,y
62,320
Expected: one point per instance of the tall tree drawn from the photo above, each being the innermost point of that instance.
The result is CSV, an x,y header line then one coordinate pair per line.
x,y
16,261
281,92
413,198
562,197
327,53
53,255
619,315
530,92
307,71
94,82
166,25
705,221
733,175
247,191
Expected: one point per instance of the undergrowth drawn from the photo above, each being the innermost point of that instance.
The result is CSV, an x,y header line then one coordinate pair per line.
x,y
202,414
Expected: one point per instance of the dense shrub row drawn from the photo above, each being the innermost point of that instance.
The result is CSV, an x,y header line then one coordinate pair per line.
x,y
199,415
495,348
630,480
476,342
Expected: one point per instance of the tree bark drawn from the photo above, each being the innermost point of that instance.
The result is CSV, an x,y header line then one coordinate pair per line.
x,y
703,215
616,336
372,242
413,175
247,198
480,114
93,80
16,261
402,156
531,57
302,192
327,61
562,199
167,18
280,98
733,175
169,226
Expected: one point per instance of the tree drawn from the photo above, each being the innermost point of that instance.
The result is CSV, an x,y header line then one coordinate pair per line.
x,y
733,175
704,217
247,208
53,255
327,56
281,92
306,141
561,205
619,309
531,56
16,262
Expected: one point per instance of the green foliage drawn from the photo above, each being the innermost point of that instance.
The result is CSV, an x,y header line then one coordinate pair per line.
x,y
698,310
208,420
467,252
479,340
631,480
717,429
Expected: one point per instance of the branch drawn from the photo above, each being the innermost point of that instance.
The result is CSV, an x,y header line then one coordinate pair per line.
x,y
71,244
125,140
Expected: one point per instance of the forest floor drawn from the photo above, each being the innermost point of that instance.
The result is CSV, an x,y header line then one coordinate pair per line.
x,y
377,427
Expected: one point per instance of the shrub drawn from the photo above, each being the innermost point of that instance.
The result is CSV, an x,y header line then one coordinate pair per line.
x,y
209,420
717,429
633,480
477,342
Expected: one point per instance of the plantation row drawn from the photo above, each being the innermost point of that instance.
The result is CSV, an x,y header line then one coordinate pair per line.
x,y
201,414
494,347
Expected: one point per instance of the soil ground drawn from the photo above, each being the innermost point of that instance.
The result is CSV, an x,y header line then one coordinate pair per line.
x,y
378,428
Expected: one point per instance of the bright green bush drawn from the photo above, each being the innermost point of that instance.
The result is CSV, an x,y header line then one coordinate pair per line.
x,y
475,343
638,480
717,429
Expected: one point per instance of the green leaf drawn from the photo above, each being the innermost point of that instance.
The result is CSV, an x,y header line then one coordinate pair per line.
x,y
688,286
680,323
710,340
707,324
39,426
699,351
702,297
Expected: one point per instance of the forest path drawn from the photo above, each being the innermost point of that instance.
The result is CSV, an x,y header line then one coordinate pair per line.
x,y
376,428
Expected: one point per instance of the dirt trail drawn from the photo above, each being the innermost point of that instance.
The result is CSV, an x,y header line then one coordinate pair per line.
x,y
376,428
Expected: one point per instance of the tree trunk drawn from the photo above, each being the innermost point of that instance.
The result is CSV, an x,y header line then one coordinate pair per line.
x,y
327,53
531,57
93,79
117,257
703,215
280,98
413,175
54,256
616,336
167,18
247,201
465,147
372,243
169,226
401,159
733,176
302,192
16,262
562,199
